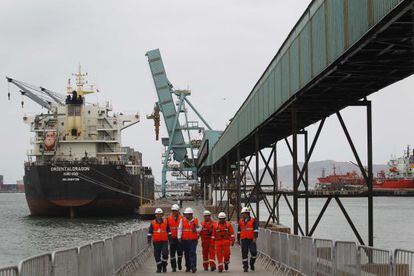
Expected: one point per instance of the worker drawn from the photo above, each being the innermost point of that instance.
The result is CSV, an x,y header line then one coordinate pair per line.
x,y
207,244
223,237
248,232
176,250
159,232
188,233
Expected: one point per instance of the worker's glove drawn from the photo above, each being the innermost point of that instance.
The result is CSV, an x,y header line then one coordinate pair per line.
x,y
149,240
254,240
232,243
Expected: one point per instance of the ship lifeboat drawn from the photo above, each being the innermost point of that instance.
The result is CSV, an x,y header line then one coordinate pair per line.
x,y
50,140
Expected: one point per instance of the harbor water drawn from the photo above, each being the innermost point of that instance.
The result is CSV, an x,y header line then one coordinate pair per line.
x,y
393,220
22,236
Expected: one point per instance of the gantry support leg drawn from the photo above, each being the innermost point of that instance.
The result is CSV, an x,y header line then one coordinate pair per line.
x,y
295,171
275,185
257,149
370,177
305,167
238,190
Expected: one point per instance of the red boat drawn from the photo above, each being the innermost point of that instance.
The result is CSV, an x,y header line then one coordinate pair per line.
x,y
400,173
334,182
400,176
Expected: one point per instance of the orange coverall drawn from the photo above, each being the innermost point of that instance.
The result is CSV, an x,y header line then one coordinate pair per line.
x,y
223,236
207,244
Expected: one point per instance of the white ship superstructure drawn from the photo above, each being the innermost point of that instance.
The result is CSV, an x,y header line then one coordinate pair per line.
x,y
77,163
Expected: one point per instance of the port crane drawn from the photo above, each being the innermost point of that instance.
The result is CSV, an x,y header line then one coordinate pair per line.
x,y
176,145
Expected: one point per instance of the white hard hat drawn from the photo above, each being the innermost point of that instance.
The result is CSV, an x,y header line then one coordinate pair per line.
x,y
158,211
207,213
175,207
245,210
222,215
188,210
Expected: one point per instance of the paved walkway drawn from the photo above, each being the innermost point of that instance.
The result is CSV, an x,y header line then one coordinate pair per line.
x,y
235,266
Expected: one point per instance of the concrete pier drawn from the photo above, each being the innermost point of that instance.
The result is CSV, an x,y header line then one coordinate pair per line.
x,y
149,267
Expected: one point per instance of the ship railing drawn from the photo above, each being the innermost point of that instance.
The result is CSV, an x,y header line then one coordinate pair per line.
x,y
119,255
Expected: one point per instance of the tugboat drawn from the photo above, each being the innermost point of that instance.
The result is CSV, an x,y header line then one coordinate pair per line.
x,y
77,166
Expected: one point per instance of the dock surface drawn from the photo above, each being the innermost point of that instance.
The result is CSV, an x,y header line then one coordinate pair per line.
x,y
235,267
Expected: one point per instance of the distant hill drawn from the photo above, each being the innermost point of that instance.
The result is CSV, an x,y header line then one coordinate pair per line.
x,y
315,171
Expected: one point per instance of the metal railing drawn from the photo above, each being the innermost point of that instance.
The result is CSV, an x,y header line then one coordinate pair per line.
x,y
374,261
403,263
294,255
279,253
9,271
119,255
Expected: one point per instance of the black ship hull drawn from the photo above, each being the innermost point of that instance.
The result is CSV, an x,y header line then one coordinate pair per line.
x,y
83,189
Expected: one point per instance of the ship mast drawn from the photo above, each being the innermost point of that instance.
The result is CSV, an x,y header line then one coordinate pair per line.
x,y
81,81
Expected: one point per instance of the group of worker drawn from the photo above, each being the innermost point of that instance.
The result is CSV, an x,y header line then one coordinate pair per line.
x,y
177,235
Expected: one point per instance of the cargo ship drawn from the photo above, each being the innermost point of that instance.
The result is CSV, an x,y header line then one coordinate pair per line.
x,y
78,166
400,173
398,177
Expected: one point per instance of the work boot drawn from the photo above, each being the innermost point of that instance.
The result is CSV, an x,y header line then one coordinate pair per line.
x,y
245,269
206,269
226,266
179,263
220,270
174,269
252,267
213,268
187,269
194,270
164,267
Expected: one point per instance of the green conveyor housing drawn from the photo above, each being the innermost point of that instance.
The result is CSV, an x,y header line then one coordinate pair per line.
x,y
166,104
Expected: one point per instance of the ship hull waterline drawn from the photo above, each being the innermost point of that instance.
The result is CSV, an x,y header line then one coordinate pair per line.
x,y
84,190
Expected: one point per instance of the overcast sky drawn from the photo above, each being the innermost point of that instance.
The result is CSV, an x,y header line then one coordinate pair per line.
x,y
218,48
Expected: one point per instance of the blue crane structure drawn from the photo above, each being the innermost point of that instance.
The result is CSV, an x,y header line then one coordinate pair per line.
x,y
176,146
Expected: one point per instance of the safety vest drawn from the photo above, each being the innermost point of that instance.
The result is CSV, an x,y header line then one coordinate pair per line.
x,y
159,231
223,231
189,229
246,229
173,223
206,229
